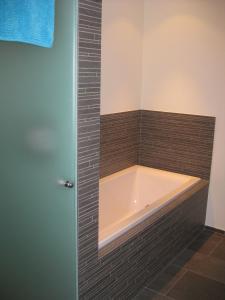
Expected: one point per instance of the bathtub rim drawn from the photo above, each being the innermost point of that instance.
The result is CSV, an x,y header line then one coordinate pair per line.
x,y
134,167
149,221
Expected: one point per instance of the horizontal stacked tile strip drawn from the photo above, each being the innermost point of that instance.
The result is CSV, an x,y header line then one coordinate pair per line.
x,y
177,142
89,68
120,135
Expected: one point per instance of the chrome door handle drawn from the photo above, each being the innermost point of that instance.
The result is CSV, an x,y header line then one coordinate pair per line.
x,y
68,184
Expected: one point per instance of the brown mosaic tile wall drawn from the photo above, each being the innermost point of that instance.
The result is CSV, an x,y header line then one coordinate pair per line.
x,y
120,134
89,36
177,142
120,273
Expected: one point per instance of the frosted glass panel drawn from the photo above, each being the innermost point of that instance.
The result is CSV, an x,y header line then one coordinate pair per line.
x,y
37,132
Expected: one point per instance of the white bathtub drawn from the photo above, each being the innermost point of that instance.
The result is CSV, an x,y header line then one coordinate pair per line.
x,y
130,196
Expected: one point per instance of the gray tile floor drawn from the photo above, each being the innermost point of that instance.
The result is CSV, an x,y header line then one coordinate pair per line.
x,y
198,273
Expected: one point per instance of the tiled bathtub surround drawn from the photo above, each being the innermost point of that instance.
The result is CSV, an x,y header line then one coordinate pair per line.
x,y
174,142
122,272
119,274
177,142
120,134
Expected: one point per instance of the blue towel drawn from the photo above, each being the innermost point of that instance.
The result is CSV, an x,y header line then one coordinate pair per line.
x,y
27,21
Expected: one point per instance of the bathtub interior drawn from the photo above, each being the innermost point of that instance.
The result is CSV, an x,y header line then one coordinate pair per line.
x,y
127,193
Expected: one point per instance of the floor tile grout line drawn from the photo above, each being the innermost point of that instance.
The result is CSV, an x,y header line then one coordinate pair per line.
x,y
218,244
172,262
199,253
205,276
161,294
180,278
176,281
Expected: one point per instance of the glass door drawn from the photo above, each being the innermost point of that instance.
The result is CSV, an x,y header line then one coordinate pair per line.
x,y
37,157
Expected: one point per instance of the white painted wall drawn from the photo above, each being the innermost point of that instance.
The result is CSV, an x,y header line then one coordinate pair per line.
x,y
184,72
183,68
121,55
